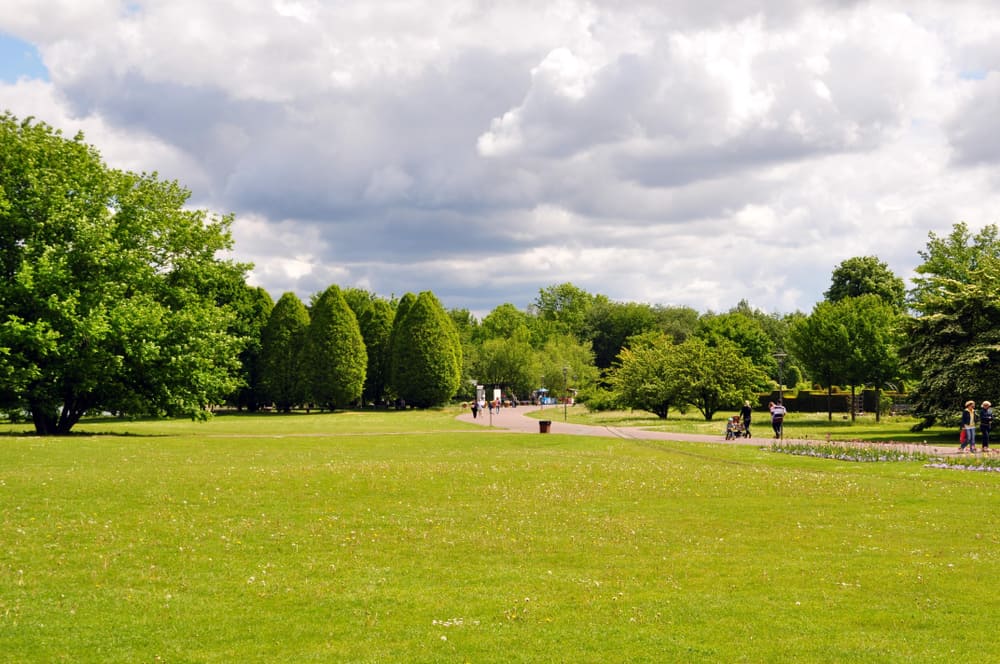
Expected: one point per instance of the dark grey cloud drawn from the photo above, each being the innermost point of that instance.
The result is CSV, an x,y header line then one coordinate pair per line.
x,y
486,150
973,129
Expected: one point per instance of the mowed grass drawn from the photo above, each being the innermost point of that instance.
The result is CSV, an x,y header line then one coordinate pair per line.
x,y
304,538
807,426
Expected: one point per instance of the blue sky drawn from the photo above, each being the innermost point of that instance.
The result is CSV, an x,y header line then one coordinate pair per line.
x,y
19,58
678,152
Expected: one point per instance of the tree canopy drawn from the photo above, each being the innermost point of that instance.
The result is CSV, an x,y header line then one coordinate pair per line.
x,y
866,275
336,358
283,359
952,344
107,295
426,352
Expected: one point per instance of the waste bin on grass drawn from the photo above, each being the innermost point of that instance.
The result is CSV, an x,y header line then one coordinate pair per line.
x,y
543,426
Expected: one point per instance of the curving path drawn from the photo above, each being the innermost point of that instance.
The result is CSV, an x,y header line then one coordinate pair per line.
x,y
515,419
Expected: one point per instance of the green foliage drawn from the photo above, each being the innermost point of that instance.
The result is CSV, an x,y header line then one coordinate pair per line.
x,y
376,327
426,352
565,308
953,342
854,340
335,352
746,332
821,341
866,275
645,377
678,323
283,361
504,322
655,374
564,363
715,377
375,317
109,287
611,324
507,364
253,309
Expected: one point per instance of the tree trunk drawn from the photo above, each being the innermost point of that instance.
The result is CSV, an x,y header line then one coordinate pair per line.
x,y
45,422
829,402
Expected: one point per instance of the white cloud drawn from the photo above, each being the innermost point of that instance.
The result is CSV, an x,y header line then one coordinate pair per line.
x,y
674,151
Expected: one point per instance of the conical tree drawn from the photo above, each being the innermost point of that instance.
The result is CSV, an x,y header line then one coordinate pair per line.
x,y
253,306
426,353
377,328
282,353
336,354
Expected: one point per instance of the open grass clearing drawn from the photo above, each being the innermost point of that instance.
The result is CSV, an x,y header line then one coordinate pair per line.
x,y
273,538
810,426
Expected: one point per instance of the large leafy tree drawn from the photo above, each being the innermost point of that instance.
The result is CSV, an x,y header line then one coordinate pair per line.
x,y
505,322
677,322
562,309
743,330
952,344
645,376
866,275
564,363
335,351
507,364
715,376
873,328
107,287
822,343
426,352
611,324
282,357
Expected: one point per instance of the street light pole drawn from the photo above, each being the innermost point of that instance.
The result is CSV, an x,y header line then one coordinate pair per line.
x,y
780,356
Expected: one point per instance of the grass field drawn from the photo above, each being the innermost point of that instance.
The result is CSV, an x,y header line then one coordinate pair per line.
x,y
812,426
409,537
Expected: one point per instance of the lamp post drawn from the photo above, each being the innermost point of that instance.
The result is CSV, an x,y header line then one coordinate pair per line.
x,y
780,357
565,392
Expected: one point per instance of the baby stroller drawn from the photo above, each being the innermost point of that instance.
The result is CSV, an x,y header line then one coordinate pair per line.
x,y
734,428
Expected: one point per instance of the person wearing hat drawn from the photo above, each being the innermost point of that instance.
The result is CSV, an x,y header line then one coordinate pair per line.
x,y
969,427
985,424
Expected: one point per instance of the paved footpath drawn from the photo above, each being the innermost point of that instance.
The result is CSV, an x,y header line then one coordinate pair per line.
x,y
516,419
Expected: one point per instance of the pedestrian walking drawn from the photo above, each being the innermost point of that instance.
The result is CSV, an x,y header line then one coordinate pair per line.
x,y
985,424
967,437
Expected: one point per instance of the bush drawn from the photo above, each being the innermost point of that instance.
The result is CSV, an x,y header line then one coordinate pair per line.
x,y
600,400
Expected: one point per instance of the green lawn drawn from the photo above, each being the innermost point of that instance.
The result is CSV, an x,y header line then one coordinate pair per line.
x,y
304,538
812,426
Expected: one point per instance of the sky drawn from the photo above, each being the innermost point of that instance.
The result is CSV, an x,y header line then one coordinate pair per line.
x,y
671,152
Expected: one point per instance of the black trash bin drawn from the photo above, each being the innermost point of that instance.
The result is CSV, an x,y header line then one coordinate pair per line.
x,y
543,426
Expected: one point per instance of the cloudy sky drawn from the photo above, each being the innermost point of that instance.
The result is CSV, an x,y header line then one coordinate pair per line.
x,y
676,152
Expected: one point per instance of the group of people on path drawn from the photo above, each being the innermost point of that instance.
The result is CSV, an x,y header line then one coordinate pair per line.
x,y
970,418
738,426
493,406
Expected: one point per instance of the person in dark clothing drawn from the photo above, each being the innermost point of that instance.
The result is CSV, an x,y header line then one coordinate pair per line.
x,y
745,413
985,424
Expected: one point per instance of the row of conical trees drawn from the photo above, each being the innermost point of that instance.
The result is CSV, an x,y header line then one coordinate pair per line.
x,y
333,354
